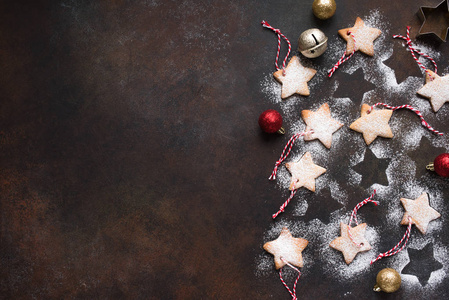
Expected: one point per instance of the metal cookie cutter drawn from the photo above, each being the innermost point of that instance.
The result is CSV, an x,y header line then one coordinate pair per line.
x,y
435,20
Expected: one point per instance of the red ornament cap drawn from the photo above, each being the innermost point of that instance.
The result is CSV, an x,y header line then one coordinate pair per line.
x,y
271,121
441,164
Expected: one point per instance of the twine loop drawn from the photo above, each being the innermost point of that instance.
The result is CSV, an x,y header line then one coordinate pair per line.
x,y
280,35
284,155
413,50
354,215
292,291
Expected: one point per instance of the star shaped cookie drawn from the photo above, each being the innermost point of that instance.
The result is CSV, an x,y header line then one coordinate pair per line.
x,y
295,79
344,244
373,124
288,248
304,172
436,89
420,212
364,37
321,123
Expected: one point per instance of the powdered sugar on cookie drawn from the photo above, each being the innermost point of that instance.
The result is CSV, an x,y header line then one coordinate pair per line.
x,y
294,78
360,37
321,124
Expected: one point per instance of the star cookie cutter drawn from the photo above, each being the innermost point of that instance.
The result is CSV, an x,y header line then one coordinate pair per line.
x,y
435,20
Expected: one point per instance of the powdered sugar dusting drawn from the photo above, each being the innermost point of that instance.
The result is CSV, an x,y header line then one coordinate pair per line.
x,y
440,253
301,209
272,89
401,171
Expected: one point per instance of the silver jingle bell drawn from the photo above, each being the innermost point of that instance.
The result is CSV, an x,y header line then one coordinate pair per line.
x,y
312,43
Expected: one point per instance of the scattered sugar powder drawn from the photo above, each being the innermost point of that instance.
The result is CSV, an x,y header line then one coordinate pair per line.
x,y
301,208
401,171
440,253
336,191
273,89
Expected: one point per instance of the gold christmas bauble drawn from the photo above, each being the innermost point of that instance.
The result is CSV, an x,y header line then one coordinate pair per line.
x,y
324,9
388,281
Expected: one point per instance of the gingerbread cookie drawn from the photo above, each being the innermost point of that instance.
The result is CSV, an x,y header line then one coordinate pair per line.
x,y
348,247
373,124
304,172
364,37
295,79
436,89
286,248
420,212
321,123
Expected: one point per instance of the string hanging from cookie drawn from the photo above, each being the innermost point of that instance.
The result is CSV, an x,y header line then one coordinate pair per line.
x,y
352,240
284,205
343,58
294,76
293,290
280,37
359,38
398,248
374,123
436,87
413,50
287,251
304,172
418,212
288,147
409,107
354,215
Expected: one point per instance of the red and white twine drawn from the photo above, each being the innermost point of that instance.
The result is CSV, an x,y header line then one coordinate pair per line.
x,y
284,155
395,249
287,149
343,57
279,33
417,112
284,205
293,291
413,50
354,215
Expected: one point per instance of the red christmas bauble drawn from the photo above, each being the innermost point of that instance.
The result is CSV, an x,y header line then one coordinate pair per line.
x,y
441,164
270,121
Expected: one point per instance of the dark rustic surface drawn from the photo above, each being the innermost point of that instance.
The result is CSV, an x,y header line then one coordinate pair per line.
x,y
132,165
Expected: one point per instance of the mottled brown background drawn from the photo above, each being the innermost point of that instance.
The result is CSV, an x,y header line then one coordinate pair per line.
x,y
132,165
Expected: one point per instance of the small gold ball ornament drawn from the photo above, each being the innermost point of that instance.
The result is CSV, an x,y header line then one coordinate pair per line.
x,y
388,280
324,9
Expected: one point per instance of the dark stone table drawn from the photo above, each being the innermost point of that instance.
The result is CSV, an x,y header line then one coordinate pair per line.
x,y
132,164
